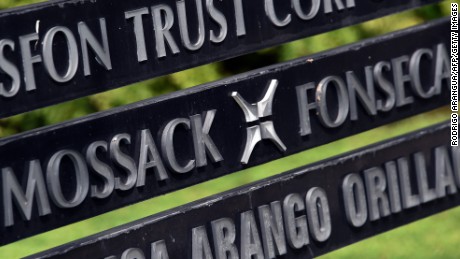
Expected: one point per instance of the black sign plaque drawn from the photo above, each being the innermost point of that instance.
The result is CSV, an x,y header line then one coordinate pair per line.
x,y
300,214
76,170
67,49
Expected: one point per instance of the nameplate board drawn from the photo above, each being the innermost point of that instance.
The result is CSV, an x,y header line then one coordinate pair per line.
x,y
300,214
76,170
61,50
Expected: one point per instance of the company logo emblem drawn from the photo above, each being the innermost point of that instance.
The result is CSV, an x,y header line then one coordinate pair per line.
x,y
254,113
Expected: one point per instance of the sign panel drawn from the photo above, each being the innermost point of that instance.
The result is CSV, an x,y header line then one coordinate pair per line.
x,y
300,214
61,174
68,49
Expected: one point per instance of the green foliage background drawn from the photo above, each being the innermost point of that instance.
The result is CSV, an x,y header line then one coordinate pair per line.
x,y
435,237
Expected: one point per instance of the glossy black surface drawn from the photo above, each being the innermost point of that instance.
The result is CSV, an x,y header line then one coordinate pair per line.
x,y
228,129
260,33
174,226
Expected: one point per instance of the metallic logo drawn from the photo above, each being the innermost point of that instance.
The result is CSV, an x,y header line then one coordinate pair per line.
x,y
254,113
